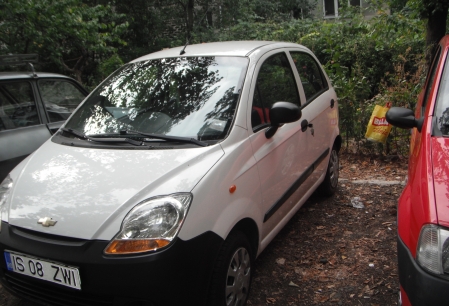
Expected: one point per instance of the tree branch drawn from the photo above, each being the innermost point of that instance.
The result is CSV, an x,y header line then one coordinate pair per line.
x,y
66,67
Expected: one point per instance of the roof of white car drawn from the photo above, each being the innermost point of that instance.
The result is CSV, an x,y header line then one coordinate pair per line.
x,y
225,48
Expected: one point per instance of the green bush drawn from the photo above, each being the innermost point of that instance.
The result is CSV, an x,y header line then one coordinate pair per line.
x,y
368,61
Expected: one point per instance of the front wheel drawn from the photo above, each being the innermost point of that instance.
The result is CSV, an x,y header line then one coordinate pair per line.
x,y
330,183
232,273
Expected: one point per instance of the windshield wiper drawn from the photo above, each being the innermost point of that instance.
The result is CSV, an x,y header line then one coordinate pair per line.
x,y
109,140
74,132
167,138
131,141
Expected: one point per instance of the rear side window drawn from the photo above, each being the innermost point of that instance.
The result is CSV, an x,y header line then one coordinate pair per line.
x,y
60,98
275,83
17,106
311,75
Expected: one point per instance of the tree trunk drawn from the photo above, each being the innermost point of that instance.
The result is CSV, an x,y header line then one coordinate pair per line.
x,y
78,68
190,7
436,26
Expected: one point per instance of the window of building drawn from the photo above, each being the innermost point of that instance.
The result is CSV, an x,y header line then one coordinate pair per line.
x,y
330,7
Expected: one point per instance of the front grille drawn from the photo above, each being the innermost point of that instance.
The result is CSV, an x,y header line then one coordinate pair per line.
x,y
47,238
35,290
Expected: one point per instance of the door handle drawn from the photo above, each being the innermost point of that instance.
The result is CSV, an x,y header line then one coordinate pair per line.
x,y
305,124
332,103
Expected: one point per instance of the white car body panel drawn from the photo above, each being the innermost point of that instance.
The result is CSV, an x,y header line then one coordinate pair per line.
x,y
214,207
89,191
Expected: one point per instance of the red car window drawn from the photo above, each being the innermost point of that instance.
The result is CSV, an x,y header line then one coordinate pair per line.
x,y
430,80
441,113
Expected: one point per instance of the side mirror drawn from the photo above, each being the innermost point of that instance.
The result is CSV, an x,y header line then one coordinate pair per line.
x,y
403,118
280,113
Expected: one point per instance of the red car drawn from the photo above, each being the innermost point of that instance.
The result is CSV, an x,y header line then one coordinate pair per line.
x,y
423,209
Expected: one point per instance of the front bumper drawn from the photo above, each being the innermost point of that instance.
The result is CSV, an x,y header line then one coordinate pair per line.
x,y
421,287
177,275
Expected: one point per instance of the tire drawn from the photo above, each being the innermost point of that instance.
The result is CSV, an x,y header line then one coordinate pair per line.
x,y
330,184
231,279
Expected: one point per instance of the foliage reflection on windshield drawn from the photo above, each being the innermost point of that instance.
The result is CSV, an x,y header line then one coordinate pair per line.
x,y
188,96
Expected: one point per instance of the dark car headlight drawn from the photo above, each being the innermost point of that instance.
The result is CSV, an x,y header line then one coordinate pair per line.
x,y
5,189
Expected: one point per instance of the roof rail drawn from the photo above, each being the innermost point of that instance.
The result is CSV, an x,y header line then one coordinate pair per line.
x,y
19,60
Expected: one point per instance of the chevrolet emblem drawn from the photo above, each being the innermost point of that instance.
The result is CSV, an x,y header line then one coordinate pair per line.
x,y
47,222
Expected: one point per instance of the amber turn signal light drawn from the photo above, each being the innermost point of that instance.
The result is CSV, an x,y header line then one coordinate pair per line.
x,y
232,189
135,246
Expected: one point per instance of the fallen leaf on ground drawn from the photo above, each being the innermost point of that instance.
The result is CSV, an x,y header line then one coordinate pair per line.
x,y
271,300
280,261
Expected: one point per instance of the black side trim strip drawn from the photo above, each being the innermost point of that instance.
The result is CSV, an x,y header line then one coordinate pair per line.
x,y
295,186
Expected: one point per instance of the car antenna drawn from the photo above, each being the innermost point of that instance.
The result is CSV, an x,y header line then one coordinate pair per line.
x,y
182,51
32,70
188,38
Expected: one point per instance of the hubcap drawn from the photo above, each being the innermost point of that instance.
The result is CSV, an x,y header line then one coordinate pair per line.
x,y
333,168
238,278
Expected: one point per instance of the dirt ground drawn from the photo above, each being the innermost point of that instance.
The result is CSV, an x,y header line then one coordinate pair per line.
x,y
331,253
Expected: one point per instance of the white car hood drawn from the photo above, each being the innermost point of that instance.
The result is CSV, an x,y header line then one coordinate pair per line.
x,y
89,191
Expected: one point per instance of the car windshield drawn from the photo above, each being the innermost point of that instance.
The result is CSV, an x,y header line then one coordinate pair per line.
x,y
186,96
442,104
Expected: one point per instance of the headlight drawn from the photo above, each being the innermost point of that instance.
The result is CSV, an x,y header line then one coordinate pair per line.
x,y
5,188
433,249
151,225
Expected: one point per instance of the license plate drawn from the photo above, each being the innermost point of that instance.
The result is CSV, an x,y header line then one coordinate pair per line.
x,y
49,271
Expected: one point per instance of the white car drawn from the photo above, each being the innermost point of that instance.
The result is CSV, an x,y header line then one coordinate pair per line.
x,y
171,178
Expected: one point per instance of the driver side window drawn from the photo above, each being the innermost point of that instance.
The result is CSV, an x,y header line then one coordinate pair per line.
x,y
17,106
275,83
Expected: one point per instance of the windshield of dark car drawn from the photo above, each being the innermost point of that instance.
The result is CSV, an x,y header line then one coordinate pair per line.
x,y
186,96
